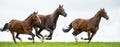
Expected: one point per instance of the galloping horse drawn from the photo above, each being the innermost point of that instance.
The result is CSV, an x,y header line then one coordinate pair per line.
x,y
88,25
23,27
48,22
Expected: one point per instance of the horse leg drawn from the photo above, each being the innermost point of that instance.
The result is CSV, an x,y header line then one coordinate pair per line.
x,y
13,36
18,37
37,32
75,36
91,37
88,36
32,37
75,33
50,36
40,32
76,39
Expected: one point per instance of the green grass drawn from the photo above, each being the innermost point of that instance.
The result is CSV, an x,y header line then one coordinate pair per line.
x,y
60,44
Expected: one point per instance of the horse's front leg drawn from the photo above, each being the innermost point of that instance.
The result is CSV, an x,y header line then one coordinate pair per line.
x,y
50,36
32,36
91,37
88,36
37,32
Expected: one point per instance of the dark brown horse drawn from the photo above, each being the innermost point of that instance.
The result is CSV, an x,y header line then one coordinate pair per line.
x,y
88,25
48,22
23,27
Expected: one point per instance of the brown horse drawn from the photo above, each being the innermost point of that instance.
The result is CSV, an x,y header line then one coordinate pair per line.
x,y
23,27
48,22
88,25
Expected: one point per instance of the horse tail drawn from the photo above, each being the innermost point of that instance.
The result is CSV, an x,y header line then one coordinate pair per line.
x,y
68,28
5,27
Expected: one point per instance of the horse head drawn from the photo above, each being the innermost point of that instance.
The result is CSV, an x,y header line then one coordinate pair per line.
x,y
103,14
60,10
35,18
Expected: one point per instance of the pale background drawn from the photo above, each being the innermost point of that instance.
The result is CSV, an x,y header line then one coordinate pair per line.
x,y
21,9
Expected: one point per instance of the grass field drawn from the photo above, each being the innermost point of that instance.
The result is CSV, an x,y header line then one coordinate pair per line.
x,y
60,44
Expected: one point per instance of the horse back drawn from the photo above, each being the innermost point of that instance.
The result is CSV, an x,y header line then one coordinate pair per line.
x,y
14,23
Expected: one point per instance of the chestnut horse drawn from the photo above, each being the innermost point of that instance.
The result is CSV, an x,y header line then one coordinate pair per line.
x,y
88,25
48,22
23,27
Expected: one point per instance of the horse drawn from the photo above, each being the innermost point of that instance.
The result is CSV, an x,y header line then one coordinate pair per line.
x,y
49,22
23,27
90,26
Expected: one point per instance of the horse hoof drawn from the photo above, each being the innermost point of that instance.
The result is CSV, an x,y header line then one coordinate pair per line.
x,y
33,42
48,38
81,38
30,39
15,42
87,39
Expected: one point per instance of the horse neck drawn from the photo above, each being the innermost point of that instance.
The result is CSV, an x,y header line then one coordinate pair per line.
x,y
96,19
28,20
55,17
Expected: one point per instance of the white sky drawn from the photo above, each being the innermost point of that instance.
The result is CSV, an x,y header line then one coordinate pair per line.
x,y
21,9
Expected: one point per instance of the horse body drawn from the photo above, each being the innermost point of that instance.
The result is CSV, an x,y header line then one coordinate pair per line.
x,y
88,25
78,24
22,27
49,22
43,20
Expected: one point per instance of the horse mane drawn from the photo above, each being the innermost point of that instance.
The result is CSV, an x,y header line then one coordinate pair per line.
x,y
95,15
28,17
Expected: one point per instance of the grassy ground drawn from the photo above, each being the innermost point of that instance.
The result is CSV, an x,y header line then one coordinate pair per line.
x,y
60,44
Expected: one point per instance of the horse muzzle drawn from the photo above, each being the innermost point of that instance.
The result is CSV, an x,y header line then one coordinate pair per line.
x,y
107,18
65,15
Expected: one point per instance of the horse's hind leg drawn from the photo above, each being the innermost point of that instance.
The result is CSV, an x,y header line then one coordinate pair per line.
x,y
18,37
13,36
76,39
75,33
32,37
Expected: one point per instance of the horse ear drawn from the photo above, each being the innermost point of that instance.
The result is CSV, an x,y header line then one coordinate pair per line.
x,y
36,12
62,5
100,9
59,5
103,9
